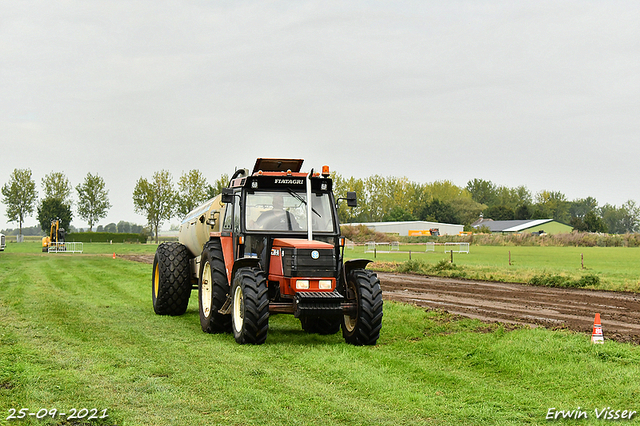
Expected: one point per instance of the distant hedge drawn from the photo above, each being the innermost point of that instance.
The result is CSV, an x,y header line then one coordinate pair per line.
x,y
105,237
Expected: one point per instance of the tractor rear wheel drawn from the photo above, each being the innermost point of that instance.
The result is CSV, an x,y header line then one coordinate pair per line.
x,y
250,306
320,325
213,288
363,288
170,283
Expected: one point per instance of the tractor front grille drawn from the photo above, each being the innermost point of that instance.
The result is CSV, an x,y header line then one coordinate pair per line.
x,y
309,262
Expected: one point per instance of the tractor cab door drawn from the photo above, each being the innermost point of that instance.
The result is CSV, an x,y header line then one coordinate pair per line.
x,y
230,233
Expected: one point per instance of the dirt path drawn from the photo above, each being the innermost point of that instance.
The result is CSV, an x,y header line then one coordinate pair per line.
x,y
573,309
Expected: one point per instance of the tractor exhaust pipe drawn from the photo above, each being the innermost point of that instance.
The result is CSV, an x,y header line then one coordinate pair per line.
x,y
309,211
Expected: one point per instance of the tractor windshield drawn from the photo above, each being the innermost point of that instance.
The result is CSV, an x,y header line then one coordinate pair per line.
x,y
287,211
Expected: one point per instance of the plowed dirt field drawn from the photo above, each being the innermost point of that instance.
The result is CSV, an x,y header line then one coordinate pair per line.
x,y
572,309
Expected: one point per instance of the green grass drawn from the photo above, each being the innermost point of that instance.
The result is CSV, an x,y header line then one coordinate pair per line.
x,y
617,267
33,247
79,331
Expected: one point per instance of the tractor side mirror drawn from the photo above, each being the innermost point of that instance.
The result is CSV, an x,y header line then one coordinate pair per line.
x,y
213,218
227,195
352,199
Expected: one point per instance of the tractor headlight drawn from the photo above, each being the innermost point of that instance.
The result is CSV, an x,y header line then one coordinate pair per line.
x,y
324,284
302,285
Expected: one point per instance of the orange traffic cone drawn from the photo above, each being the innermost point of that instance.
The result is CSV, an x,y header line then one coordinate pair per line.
x,y
596,336
114,255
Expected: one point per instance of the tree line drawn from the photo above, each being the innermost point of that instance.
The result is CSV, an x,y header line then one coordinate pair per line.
x,y
114,228
159,200
380,199
385,199
21,199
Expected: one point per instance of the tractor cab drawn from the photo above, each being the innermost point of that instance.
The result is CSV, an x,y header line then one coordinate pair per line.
x,y
270,223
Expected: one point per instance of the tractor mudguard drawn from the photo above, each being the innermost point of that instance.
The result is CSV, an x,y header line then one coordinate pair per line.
x,y
251,262
352,264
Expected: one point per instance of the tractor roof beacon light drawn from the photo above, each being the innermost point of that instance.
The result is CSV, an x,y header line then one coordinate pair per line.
x,y
325,171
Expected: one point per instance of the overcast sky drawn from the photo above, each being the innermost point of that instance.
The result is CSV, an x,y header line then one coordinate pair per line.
x,y
544,94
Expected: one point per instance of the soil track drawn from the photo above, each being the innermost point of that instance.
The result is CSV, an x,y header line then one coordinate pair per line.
x,y
554,308
572,309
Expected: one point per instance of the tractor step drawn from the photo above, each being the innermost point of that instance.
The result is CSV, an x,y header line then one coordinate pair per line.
x,y
318,303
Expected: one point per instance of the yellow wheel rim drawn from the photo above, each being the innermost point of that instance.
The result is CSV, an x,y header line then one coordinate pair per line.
x,y
238,309
156,282
349,321
206,290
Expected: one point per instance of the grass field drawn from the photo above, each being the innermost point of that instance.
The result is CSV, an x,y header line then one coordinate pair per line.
x,y
78,331
617,267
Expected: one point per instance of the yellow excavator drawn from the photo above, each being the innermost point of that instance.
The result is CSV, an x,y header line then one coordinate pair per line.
x,y
56,235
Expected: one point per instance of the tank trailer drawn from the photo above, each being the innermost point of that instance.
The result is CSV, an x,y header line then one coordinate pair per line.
x,y
269,244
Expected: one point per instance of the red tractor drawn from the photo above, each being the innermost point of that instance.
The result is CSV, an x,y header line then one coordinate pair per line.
x,y
270,243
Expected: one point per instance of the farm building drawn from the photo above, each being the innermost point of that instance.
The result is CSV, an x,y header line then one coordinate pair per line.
x,y
547,226
414,228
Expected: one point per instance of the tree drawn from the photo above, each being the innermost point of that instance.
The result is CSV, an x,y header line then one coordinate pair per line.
x,y
523,212
57,186
218,185
398,214
340,188
482,191
124,227
54,209
438,211
111,227
192,191
580,207
594,223
499,213
631,219
467,210
93,199
578,224
19,196
620,220
554,205
511,197
155,199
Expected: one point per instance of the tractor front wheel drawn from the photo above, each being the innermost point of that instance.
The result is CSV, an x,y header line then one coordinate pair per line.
x,y
250,306
170,282
363,289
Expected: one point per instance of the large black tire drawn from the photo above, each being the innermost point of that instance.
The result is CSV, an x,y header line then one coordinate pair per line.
x,y
213,287
320,325
363,287
170,282
250,306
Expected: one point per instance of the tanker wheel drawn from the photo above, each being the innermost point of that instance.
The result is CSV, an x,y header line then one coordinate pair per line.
x,y
250,306
170,282
320,325
363,328
213,288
